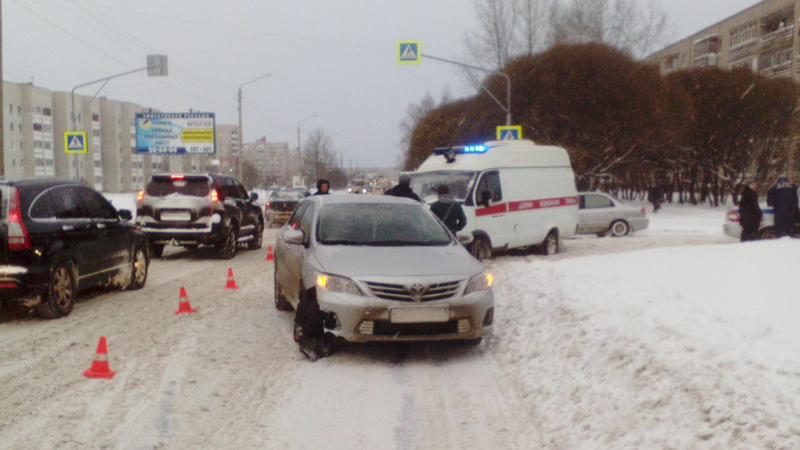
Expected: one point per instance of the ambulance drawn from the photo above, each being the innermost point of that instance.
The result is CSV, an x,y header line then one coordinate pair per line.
x,y
515,194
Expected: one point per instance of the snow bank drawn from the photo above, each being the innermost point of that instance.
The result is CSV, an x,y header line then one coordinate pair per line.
x,y
691,347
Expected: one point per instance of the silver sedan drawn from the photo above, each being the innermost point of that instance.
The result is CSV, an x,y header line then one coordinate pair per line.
x,y
603,214
382,269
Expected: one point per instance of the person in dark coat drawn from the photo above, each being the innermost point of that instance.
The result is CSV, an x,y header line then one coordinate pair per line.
x,y
403,189
750,214
449,211
782,197
323,187
655,197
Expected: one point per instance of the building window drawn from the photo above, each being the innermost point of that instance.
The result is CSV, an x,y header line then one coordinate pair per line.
x,y
744,34
47,145
98,164
39,162
37,144
96,133
37,127
748,65
38,110
95,117
709,45
47,112
47,128
11,109
49,162
776,58
19,110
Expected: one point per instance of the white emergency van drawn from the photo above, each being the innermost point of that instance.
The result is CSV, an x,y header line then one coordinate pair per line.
x,y
514,193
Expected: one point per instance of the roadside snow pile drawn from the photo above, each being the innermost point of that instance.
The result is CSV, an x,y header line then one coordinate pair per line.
x,y
123,201
672,348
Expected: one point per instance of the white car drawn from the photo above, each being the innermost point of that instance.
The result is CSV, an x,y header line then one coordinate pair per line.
x,y
381,268
733,228
602,214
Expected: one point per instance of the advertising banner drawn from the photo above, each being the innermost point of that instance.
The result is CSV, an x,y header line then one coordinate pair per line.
x,y
175,133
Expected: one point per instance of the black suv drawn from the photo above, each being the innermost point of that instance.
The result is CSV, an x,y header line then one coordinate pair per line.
x,y
192,210
61,237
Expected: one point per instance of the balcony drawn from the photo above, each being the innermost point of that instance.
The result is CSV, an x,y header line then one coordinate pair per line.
x,y
708,60
782,37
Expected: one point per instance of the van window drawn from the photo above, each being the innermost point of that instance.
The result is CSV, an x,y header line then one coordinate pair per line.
x,y
596,202
161,187
490,182
459,182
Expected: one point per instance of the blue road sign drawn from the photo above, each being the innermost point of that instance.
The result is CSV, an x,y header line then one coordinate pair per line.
x,y
75,142
408,52
509,133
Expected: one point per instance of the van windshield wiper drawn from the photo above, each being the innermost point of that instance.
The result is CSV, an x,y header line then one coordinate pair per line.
x,y
407,244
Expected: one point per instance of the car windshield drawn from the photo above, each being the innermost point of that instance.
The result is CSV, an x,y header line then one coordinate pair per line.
x,y
287,195
459,183
379,225
165,187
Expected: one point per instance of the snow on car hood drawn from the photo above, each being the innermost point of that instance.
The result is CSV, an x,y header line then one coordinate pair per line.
x,y
353,261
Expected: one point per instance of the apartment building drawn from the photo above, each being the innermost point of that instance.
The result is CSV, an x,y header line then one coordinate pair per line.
x,y
272,160
28,136
87,167
763,38
228,145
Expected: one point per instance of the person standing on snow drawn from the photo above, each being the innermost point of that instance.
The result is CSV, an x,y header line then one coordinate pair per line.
x,y
655,197
750,214
403,189
323,187
782,196
449,211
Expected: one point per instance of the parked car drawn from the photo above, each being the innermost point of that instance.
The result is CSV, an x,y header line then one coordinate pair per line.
x,y
197,209
58,238
514,193
603,215
382,268
282,204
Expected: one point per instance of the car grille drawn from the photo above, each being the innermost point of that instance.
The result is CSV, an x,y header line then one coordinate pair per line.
x,y
414,329
398,292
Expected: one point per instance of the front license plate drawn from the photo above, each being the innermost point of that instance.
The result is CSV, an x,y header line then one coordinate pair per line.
x,y
420,315
176,217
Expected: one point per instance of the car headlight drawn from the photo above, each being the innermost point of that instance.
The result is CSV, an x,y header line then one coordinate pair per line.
x,y
341,285
480,282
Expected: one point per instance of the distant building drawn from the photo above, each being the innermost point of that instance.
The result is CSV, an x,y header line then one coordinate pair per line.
x,y
272,160
28,131
762,38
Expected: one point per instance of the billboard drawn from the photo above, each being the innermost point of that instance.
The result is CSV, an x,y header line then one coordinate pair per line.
x,y
175,133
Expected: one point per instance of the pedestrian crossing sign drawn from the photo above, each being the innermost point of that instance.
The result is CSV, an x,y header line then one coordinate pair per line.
x,y
75,142
509,133
408,52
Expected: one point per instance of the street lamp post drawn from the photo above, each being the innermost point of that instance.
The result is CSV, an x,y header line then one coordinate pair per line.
x,y
241,136
299,146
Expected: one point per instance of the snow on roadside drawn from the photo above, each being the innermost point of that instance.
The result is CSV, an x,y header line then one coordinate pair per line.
x,y
123,201
681,347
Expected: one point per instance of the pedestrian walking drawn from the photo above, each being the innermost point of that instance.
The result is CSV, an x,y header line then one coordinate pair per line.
x,y
449,211
655,197
403,189
750,214
323,187
782,197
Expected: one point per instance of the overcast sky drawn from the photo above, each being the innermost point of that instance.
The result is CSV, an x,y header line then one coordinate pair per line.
x,y
335,59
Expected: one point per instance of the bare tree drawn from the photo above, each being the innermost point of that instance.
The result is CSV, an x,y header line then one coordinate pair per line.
x,y
414,114
623,24
319,156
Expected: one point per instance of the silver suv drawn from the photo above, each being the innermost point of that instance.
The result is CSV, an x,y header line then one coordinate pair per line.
x,y
192,210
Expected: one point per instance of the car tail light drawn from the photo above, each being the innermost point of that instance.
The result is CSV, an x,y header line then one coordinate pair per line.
x,y
214,196
644,211
267,204
176,177
733,216
18,238
140,196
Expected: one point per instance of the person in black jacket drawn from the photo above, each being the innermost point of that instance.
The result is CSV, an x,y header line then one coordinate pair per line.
x,y
449,211
403,189
750,214
782,196
323,187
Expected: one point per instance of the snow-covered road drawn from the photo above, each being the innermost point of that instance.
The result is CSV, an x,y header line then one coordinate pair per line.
x,y
636,349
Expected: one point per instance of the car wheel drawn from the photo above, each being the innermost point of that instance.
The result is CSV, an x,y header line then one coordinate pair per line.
x,y
549,246
60,296
767,233
481,249
227,248
158,250
280,301
140,266
258,237
619,228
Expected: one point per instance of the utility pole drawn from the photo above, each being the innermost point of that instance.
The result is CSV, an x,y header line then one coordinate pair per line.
x,y
300,147
241,136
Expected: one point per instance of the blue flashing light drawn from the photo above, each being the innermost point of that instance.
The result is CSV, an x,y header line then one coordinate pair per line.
x,y
475,149
461,150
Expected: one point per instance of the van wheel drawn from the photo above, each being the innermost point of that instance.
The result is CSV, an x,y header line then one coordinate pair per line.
x,y
549,246
60,297
158,250
481,249
767,233
619,228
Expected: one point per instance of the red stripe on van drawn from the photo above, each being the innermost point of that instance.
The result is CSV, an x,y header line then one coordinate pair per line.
x,y
540,204
501,208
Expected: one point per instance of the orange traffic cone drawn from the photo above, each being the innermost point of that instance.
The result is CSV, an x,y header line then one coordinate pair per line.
x,y
184,307
99,367
270,256
231,284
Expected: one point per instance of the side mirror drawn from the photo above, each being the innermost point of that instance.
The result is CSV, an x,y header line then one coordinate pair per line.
x,y
292,236
464,238
253,196
486,198
125,214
